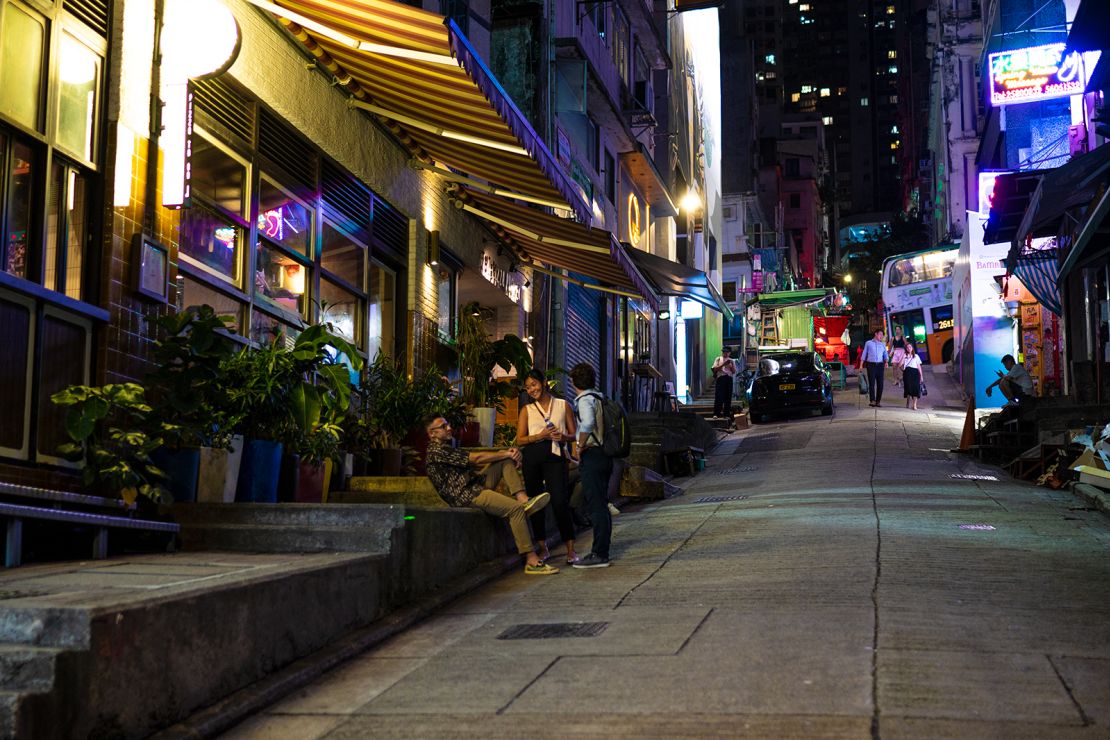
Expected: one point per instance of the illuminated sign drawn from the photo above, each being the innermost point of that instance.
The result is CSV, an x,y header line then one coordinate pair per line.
x,y
986,192
943,324
1035,73
634,220
504,279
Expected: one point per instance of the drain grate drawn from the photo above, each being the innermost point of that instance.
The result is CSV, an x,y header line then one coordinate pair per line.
x,y
978,527
727,471
969,476
557,629
718,499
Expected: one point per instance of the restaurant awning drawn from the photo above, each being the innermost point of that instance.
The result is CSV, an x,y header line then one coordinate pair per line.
x,y
419,74
670,278
1069,186
788,298
541,238
1038,271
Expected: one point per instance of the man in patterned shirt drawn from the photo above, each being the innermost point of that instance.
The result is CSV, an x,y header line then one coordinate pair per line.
x,y
471,478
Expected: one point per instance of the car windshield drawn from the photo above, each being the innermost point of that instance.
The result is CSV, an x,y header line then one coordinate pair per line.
x,y
785,363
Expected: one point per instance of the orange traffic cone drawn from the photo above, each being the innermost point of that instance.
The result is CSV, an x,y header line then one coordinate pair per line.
x,y
967,439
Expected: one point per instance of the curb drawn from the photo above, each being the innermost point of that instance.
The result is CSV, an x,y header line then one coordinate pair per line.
x,y
226,713
1094,496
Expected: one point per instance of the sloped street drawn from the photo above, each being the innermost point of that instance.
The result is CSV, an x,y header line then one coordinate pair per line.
x,y
824,577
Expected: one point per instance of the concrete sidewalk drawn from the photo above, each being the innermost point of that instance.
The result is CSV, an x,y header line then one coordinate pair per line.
x,y
824,577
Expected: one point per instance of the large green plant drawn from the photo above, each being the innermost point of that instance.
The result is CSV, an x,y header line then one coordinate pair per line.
x,y
113,431
479,355
187,387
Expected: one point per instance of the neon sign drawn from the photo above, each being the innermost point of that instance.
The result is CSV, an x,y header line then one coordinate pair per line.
x,y
634,220
986,192
1035,73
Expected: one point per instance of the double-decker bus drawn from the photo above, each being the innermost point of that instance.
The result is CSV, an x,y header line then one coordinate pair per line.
x,y
917,296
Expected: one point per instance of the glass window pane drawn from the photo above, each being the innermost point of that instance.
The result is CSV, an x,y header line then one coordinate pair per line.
x,y
65,344
217,176
52,277
77,197
341,308
210,242
196,294
382,313
284,220
21,61
265,327
280,280
78,68
446,280
19,209
342,256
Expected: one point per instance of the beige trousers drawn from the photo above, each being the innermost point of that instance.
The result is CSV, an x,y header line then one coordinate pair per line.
x,y
506,507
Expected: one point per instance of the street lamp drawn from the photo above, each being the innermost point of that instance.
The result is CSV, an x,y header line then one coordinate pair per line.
x,y
848,277
691,201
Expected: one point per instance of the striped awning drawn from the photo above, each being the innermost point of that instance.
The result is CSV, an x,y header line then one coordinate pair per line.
x,y
1037,270
419,74
541,239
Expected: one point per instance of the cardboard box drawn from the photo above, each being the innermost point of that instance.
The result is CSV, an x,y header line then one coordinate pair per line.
x,y
740,421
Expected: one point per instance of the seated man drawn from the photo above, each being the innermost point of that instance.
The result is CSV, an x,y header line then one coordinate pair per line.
x,y
1016,385
471,478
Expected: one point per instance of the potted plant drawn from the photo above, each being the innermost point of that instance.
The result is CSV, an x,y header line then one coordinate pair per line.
x,y
478,355
316,413
113,431
187,390
390,409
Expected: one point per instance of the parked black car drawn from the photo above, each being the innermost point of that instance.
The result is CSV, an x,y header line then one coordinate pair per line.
x,y
789,381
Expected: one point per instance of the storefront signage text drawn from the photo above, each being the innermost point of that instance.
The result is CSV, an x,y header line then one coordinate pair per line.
x,y
500,277
634,220
1035,73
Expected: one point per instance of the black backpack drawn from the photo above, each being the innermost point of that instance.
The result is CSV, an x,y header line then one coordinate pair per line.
x,y
616,436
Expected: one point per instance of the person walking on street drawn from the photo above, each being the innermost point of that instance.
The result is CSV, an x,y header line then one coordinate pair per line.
x,y
471,478
875,359
543,428
897,353
724,368
1016,385
594,465
911,376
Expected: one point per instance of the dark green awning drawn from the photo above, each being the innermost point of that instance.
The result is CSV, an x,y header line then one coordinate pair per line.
x,y
787,298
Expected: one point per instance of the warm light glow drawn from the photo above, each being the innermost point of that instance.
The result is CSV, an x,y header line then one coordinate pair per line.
x,y
691,201
848,277
294,279
199,38
664,315
76,65
438,130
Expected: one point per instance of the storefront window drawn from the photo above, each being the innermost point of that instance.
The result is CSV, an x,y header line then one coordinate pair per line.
x,y
382,319
195,294
78,70
21,60
283,219
217,176
265,327
66,230
343,257
448,279
22,179
211,242
341,308
280,280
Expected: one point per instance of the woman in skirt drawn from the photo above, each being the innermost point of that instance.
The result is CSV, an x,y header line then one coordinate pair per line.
x,y
897,353
911,375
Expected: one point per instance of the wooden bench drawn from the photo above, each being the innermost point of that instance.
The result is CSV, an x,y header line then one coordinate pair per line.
x,y
61,506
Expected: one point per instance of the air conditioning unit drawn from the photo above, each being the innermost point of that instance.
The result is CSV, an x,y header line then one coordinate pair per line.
x,y
1077,139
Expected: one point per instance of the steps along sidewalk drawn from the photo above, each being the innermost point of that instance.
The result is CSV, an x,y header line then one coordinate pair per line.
x,y
130,645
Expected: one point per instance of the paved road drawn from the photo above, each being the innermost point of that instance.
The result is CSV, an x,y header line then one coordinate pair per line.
x,y
843,584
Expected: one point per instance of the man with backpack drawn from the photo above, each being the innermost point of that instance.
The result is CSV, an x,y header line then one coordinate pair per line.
x,y
594,464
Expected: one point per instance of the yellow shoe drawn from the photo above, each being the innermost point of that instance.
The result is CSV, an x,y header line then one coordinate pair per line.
x,y
541,569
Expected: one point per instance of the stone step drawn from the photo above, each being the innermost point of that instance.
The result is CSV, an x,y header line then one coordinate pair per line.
x,y
414,496
288,538
24,668
287,515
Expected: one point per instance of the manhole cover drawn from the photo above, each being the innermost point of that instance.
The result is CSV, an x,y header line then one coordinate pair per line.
x,y
969,476
558,629
5,595
718,499
980,527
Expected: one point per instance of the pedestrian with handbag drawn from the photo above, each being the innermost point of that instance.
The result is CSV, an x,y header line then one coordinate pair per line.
x,y
875,359
911,376
544,428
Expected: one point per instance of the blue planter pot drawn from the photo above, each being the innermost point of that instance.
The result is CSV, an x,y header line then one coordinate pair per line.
x,y
258,472
182,468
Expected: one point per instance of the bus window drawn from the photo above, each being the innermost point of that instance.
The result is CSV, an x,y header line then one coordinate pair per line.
x,y
917,269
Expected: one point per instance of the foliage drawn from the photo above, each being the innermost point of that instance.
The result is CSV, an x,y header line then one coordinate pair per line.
x,y
393,405
114,431
504,435
187,386
478,355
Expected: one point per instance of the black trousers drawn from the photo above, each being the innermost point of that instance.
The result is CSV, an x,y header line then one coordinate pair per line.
x,y
546,472
876,371
722,396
